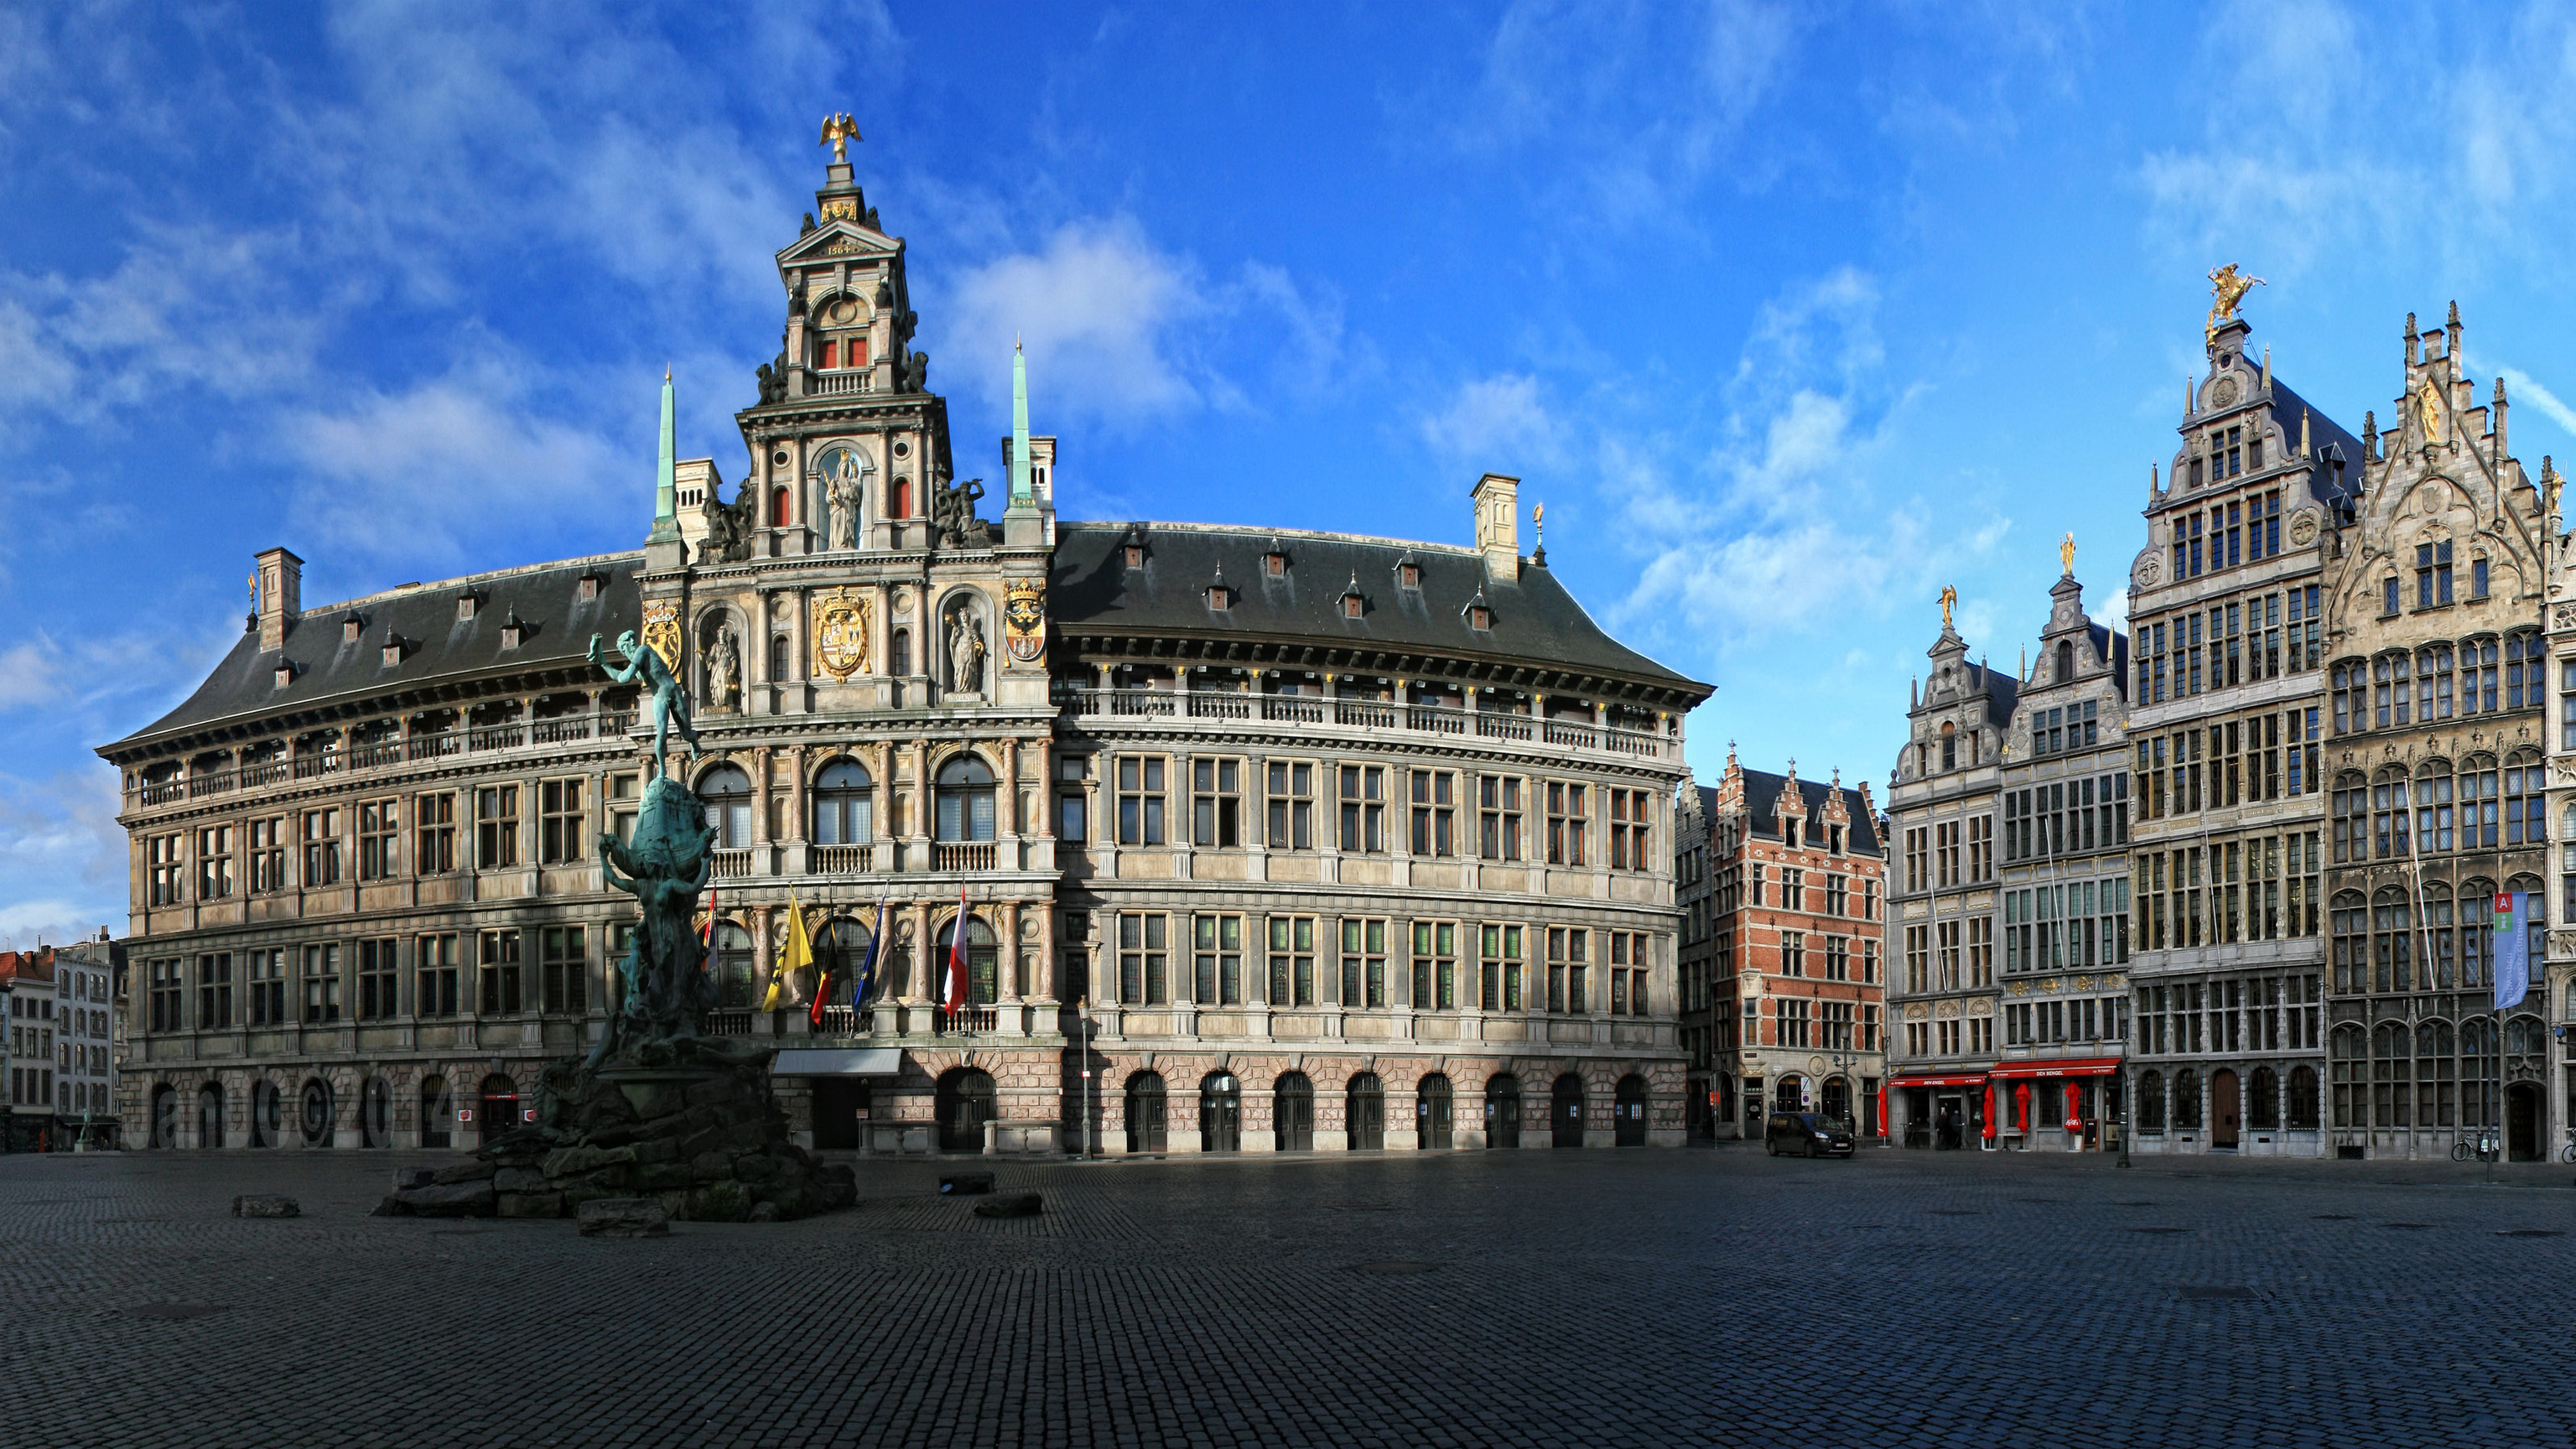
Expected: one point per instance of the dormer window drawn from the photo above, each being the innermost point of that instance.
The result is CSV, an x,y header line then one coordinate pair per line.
x,y
514,632
393,650
1275,563
1135,556
1409,574
465,607
1219,597
349,627
1353,606
285,675
1480,615
589,590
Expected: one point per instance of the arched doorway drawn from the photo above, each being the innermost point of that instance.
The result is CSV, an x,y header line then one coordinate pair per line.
x,y
1502,1110
1292,1112
963,1104
1364,1113
1565,1111
165,1116
2225,1110
1145,1113
1789,1093
500,1107
267,1114
437,1109
1837,1099
1220,1113
315,1112
1628,1112
1434,1112
376,1113
210,1116
2522,1122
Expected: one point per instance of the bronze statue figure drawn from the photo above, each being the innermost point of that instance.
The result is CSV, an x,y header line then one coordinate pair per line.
x,y
670,701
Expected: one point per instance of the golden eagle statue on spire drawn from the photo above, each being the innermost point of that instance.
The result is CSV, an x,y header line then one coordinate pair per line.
x,y
2227,287
838,132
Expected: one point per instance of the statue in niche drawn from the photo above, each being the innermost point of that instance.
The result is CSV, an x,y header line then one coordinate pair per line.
x,y
724,669
845,475
965,651
670,701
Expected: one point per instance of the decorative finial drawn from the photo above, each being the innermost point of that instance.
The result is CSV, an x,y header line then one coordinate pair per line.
x,y
2227,287
1949,597
2066,554
838,132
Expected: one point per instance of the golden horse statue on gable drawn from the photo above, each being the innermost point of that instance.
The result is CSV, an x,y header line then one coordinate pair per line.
x,y
2227,287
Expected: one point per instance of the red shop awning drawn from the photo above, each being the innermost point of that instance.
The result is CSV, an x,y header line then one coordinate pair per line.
x,y
1971,1080
2083,1067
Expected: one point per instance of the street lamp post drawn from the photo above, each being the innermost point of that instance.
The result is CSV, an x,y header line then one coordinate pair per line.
x,y
2126,1098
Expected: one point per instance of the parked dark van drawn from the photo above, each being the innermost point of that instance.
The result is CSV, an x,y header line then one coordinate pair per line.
x,y
1807,1134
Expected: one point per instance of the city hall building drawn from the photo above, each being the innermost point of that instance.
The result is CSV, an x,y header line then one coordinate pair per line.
x,y
1251,839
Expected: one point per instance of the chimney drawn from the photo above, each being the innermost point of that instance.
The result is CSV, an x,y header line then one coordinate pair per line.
x,y
281,596
1498,525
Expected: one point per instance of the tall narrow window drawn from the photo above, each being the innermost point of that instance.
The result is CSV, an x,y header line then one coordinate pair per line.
x,y
267,856
434,817
1217,960
561,840
1292,961
565,958
1435,966
438,967
1363,963
1216,803
378,988
1435,812
1566,818
1140,800
321,984
1291,801
1498,815
1498,980
214,863
500,973
1143,959
1363,808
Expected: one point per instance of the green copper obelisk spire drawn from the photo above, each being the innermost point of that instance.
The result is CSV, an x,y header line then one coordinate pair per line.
x,y
1021,494
666,504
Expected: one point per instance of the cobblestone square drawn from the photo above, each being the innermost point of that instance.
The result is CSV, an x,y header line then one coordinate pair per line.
x,y
1537,1298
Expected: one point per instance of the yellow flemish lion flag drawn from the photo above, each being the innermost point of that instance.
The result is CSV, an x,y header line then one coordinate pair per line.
x,y
799,955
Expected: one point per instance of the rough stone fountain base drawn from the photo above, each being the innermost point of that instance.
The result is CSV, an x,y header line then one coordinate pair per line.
x,y
690,1125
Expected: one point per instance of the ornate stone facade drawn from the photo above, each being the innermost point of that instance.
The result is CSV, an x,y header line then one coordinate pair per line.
x,y
1286,826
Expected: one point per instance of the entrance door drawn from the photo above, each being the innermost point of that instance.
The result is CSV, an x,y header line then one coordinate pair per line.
x,y
963,1103
500,1112
2224,1108
1145,1132
1565,1111
210,1116
1220,1113
2522,1122
1292,1111
1364,1113
1434,1112
839,1103
1629,1112
1503,1111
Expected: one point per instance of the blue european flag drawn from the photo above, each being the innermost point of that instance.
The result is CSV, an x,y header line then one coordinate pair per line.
x,y
865,982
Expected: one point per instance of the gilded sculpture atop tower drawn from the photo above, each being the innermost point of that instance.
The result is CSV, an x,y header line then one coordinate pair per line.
x,y
1949,598
2066,554
838,132
2227,287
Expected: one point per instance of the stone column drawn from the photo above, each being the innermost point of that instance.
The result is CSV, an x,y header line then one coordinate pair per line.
x,y
760,794
761,955
1006,964
799,818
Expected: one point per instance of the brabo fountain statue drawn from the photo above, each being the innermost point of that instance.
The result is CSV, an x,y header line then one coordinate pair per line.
x,y
656,1110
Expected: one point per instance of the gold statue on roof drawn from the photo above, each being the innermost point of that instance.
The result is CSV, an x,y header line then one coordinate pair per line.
x,y
2227,287
1949,597
838,132
2066,554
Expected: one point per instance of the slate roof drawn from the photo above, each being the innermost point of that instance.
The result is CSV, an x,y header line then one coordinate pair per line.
x,y
1762,797
438,645
2323,431
1534,620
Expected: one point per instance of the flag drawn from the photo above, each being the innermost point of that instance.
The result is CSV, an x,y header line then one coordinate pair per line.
x,y
953,992
800,954
2512,948
864,983
830,957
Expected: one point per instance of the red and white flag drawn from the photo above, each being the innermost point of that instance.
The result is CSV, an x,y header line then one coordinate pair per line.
x,y
953,991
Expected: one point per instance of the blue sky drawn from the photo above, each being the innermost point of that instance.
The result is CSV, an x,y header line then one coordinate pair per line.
x,y
1789,314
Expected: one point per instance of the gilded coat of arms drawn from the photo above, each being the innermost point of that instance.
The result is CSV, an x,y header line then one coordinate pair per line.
x,y
840,634
662,632
1024,619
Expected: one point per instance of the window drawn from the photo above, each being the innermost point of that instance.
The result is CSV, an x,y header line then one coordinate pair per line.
x,y
1363,963
1918,959
1981,950
1568,953
1216,804
1918,859
1629,966
1631,811
1363,808
844,806
1292,960
214,991
1435,813
1565,819
2522,671
1794,1023
496,827
563,956
1072,799
726,792
2388,596
321,984
899,660
1435,966
378,820
1140,800
267,856
169,877
1217,954
214,862
561,822
438,977
1793,953
1498,980
500,973
1498,814
778,654
265,973
624,792
2432,574
1837,896
1143,970
1945,852
1291,805
1981,851
377,993
434,818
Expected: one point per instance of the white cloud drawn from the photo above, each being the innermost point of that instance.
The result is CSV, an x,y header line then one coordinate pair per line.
x,y
1500,422
1097,306
28,676
62,855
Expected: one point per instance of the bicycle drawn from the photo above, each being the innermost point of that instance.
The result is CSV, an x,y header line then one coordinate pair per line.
x,y
2485,1148
2568,1152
